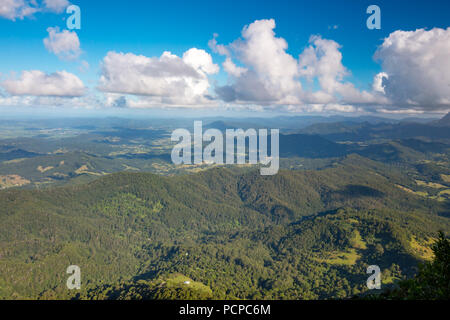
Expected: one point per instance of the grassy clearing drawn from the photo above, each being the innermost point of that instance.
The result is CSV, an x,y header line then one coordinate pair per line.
x,y
12,180
85,170
419,193
15,160
348,258
430,184
178,280
422,248
44,169
357,241
388,279
127,167
353,221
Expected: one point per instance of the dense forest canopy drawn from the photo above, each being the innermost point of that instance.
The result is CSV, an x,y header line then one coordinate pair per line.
x,y
295,235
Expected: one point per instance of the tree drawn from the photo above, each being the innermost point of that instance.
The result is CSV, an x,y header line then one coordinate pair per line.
x,y
432,281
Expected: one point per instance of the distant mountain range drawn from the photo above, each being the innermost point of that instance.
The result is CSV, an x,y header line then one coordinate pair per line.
x,y
363,131
445,121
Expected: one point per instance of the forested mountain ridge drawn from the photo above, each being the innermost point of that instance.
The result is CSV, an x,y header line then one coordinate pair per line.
x,y
364,131
298,234
444,121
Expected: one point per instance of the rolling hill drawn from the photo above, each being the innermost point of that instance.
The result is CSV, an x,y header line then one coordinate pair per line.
x,y
296,235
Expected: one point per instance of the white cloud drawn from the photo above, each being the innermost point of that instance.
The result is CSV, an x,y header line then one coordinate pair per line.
x,y
200,60
377,84
400,111
323,60
415,72
56,6
271,76
164,81
85,102
20,9
232,69
38,83
329,108
416,68
218,48
115,100
270,73
17,9
44,101
64,44
228,65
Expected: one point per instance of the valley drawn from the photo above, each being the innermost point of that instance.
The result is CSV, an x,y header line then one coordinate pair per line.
x,y
140,227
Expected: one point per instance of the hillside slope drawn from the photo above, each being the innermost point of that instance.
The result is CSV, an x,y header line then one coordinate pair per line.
x,y
298,234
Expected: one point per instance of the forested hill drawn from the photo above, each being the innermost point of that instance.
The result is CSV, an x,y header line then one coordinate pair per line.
x,y
298,234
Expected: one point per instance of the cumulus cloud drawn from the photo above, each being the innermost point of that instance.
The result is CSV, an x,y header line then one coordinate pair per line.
x,y
20,9
232,69
159,81
322,59
56,6
416,68
17,9
415,72
218,48
229,66
272,77
65,44
115,100
269,75
377,84
200,60
38,83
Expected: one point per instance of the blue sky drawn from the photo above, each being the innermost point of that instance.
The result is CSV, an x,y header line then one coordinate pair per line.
x,y
149,28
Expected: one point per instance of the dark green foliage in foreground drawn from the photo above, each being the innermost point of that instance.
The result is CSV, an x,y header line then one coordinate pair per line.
x,y
432,281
